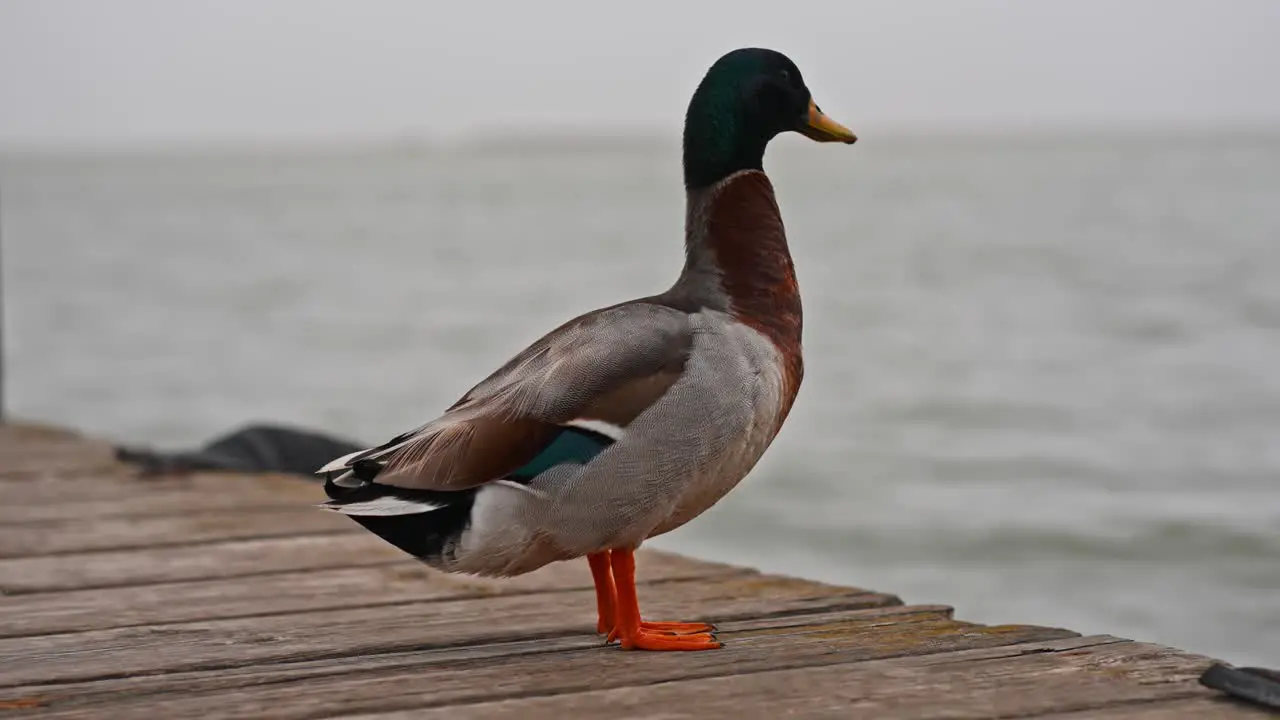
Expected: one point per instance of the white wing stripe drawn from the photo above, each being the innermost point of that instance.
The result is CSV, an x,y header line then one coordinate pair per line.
x,y
383,506
607,429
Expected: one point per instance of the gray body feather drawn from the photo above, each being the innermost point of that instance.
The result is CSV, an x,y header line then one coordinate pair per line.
x,y
675,460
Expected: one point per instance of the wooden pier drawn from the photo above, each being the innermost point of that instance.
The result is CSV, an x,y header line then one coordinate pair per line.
x,y
229,596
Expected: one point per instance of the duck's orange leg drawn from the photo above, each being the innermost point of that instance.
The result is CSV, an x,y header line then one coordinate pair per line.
x,y
605,598
632,633
606,603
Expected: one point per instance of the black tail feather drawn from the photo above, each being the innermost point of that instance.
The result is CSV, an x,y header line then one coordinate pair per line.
x,y
425,535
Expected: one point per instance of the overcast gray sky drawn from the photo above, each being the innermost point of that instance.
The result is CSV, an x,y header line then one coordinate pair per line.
x,y
177,71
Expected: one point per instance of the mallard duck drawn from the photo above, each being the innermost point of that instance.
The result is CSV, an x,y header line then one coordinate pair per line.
x,y
629,421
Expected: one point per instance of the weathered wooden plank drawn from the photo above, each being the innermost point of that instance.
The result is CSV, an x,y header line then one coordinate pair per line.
x,y
39,460
98,692
1006,682
15,438
117,533
193,562
70,497
116,482
31,468
69,480
310,590
17,433
1197,708
34,451
236,680
389,628
456,676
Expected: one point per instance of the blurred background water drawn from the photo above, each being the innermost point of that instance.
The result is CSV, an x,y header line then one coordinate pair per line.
x,y
1043,371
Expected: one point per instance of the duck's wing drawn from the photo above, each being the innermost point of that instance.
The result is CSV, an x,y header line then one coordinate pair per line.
x,y
597,372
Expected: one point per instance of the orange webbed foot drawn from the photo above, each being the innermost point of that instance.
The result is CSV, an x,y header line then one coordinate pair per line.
x,y
632,633
655,640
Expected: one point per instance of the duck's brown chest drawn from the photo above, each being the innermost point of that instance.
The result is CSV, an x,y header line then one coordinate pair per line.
x,y
744,230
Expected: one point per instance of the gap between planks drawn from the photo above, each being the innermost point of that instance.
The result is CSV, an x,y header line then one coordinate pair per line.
x,y
378,667
1079,674
119,494
461,676
398,581
355,631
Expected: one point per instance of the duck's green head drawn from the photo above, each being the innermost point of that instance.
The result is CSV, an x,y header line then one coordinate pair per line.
x,y
747,97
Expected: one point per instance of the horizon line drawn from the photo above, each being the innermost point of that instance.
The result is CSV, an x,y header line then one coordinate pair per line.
x,y
567,138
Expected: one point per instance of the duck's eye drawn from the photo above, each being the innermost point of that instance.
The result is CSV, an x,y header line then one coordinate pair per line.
x,y
784,76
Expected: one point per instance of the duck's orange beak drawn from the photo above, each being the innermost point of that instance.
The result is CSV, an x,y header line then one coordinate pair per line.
x,y
818,126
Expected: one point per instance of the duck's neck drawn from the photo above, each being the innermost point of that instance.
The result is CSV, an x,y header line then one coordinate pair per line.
x,y
737,260
720,138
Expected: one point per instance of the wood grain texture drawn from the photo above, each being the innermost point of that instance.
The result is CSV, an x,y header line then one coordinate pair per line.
x,y
228,596
236,680
389,628
396,581
120,483
117,493
448,677
14,435
117,533
192,562
1009,681
34,465
37,452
